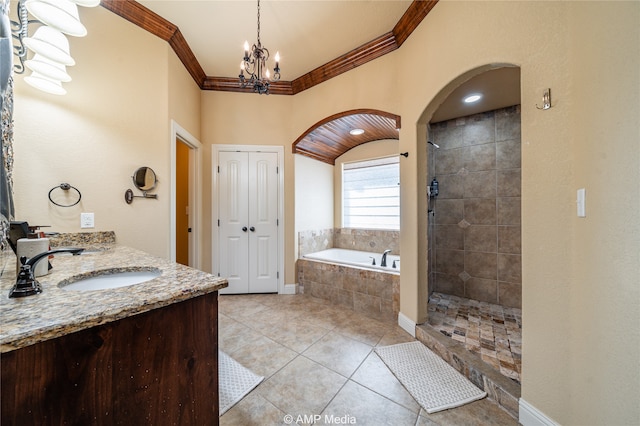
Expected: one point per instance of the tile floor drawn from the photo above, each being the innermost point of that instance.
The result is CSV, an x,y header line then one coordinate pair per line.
x,y
492,331
318,359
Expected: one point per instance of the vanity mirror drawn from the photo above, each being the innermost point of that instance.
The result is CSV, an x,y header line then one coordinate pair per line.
x,y
145,180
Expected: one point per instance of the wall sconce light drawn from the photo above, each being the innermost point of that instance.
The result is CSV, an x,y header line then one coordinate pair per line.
x,y
51,44
51,47
59,14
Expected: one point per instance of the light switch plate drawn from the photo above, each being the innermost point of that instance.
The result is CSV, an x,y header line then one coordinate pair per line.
x,y
580,201
87,220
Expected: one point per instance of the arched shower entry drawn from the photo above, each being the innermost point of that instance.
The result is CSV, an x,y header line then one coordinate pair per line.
x,y
472,256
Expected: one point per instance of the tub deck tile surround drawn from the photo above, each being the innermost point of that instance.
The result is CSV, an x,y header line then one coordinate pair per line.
x,y
373,240
25,321
375,294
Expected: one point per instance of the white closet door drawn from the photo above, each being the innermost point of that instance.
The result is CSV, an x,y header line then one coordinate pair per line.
x,y
233,210
263,222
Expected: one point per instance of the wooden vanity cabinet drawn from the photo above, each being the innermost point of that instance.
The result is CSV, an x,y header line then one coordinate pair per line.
x,y
155,368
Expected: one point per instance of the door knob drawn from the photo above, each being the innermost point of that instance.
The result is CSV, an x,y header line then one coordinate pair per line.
x,y
244,229
252,229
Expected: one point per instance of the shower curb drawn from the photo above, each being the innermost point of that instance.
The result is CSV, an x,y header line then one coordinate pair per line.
x,y
500,389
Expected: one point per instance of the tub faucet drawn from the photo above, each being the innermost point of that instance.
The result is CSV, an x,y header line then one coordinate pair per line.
x,y
383,261
26,283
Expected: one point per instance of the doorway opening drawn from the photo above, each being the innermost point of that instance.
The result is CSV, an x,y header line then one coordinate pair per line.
x,y
185,221
472,218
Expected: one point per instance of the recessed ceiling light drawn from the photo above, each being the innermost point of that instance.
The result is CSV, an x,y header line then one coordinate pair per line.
x,y
356,132
472,98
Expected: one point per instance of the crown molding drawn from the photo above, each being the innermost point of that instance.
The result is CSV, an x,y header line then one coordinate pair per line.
x,y
148,20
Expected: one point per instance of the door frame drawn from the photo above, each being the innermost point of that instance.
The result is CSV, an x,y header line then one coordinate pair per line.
x,y
215,235
195,177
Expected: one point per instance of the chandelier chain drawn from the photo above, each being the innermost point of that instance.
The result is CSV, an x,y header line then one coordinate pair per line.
x,y
254,63
259,23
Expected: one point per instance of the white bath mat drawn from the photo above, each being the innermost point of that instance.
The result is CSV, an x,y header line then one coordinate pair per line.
x,y
433,383
234,381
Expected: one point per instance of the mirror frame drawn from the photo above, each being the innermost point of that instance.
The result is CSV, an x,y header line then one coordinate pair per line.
x,y
142,174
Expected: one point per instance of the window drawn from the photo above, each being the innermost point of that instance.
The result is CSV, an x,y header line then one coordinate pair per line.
x,y
371,194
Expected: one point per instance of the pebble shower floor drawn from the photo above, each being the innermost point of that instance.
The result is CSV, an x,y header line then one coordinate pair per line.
x,y
493,332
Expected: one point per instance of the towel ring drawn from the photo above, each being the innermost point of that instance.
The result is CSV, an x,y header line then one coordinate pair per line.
x,y
65,187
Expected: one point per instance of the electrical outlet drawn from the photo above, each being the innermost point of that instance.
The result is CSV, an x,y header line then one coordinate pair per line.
x,y
87,220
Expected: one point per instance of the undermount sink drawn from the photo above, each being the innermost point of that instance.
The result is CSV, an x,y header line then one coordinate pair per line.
x,y
109,279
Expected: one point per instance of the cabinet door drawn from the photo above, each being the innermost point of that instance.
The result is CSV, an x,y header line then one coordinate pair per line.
x,y
263,222
233,209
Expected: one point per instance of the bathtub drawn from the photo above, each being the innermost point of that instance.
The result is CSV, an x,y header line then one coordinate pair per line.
x,y
347,278
355,258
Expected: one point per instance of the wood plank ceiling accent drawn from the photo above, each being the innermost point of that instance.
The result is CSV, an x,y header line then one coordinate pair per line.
x,y
141,16
330,138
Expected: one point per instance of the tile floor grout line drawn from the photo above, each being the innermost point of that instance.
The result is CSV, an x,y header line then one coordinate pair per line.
x,y
246,415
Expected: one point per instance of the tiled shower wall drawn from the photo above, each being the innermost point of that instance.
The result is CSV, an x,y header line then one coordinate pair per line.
x,y
475,224
373,240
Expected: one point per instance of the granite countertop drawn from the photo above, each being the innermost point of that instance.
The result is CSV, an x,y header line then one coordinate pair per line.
x,y
56,312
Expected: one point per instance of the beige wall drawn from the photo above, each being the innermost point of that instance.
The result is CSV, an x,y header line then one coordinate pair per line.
x,y
227,118
604,365
580,293
314,206
112,121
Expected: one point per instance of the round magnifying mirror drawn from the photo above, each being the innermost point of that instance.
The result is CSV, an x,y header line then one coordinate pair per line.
x,y
145,179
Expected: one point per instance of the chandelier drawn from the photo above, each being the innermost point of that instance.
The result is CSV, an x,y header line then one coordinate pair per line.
x,y
255,64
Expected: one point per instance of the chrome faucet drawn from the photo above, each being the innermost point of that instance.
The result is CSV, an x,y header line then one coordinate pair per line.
x,y
383,261
26,283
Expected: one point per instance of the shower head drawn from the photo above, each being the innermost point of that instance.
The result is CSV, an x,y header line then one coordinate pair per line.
x,y
434,144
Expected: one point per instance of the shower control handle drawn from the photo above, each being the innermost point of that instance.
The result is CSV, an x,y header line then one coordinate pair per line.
x,y
244,229
252,229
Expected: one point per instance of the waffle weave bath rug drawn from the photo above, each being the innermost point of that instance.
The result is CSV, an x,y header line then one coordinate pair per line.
x,y
433,383
234,381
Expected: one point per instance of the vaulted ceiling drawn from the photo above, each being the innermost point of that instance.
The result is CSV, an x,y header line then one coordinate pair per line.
x,y
317,40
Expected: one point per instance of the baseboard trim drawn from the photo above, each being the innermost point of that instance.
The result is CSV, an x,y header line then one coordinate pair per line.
x,y
531,416
290,289
407,324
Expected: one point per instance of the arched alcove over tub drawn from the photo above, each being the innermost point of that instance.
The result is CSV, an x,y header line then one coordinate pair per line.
x,y
332,136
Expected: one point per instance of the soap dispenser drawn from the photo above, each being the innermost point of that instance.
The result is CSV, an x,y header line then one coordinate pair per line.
x,y
28,248
433,188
